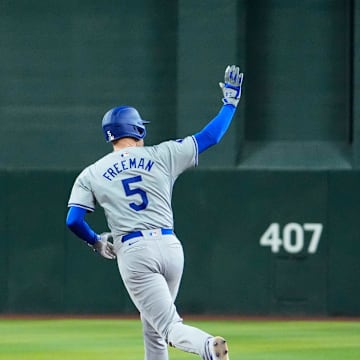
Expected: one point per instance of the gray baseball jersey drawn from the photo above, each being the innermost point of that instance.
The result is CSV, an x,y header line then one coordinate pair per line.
x,y
134,185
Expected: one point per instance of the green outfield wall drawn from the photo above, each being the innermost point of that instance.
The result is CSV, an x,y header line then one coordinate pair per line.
x,y
270,218
255,242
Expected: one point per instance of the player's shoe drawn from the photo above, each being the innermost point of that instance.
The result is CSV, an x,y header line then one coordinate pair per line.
x,y
218,349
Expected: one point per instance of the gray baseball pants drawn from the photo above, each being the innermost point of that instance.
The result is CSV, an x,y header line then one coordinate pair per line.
x,y
151,268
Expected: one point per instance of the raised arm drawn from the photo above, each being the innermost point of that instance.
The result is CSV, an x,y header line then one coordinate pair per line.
x,y
213,132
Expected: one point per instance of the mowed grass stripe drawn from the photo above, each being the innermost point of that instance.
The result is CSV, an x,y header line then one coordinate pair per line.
x,y
92,339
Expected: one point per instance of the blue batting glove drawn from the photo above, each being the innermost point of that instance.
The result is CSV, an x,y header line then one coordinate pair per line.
x,y
231,87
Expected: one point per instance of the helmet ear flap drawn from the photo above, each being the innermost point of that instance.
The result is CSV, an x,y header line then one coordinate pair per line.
x,y
142,131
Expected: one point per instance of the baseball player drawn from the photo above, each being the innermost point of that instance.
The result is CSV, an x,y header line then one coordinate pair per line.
x,y
133,184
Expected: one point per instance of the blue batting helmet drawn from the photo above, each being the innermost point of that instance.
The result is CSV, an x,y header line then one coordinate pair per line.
x,y
123,121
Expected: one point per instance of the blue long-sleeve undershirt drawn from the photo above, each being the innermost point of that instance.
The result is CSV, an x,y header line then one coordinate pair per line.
x,y
210,135
213,132
75,221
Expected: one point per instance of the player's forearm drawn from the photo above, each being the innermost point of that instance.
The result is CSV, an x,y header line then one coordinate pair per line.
x,y
213,132
75,221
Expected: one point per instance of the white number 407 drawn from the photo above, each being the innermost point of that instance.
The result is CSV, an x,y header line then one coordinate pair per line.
x,y
292,238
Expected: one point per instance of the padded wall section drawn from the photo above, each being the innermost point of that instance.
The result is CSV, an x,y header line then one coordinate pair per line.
x,y
4,253
255,242
35,241
221,217
344,244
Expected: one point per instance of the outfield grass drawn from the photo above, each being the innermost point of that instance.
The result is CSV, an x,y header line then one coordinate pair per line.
x,y
120,339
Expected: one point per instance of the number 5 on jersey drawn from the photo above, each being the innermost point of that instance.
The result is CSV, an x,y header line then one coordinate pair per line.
x,y
135,191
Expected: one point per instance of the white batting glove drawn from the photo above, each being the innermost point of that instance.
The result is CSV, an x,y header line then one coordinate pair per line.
x,y
104,246
231,87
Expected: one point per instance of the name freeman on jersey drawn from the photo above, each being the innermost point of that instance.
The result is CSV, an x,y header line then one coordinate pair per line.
x,y
130,163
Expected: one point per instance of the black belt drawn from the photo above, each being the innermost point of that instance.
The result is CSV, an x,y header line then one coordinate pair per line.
x,y
139,234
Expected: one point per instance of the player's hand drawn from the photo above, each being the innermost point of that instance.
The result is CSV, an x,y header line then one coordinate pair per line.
x,y
105,247
231,87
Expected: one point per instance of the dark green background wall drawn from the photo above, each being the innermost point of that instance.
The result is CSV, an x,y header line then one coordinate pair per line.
x,y
290,156
44,268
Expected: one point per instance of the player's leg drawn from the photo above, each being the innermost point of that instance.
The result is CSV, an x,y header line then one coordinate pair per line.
x,y
140,273
142,269
154,344
214,347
